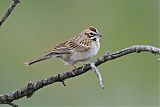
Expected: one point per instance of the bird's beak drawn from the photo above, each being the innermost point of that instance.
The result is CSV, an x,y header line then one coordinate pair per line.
x,y
99,35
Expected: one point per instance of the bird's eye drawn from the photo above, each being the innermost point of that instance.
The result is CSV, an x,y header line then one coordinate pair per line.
x,y
91,33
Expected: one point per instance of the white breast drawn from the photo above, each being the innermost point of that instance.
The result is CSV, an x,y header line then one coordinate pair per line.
x,y
95,47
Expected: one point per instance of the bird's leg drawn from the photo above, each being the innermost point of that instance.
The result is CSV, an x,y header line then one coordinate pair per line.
x,y
74,66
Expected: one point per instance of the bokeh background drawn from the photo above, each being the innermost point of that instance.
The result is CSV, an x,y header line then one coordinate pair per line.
x,y
35,26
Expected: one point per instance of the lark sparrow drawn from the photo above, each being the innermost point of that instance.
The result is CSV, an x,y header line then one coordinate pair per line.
x,y
78,49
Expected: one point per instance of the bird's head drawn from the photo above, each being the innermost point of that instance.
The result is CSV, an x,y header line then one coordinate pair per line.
x,y
92,33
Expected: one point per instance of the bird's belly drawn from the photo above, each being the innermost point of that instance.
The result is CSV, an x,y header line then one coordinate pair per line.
x,y
81,56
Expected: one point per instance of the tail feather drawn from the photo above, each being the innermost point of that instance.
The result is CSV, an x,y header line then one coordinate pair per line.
x,y
45,57
37,60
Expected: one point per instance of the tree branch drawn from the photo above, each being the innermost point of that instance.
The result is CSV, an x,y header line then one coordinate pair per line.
x,y
31,88
98,74
9,10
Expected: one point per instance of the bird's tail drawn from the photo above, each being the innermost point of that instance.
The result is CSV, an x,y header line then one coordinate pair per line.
x,y
37,60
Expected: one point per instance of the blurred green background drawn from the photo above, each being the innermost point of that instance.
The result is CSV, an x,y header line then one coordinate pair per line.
x,y
35,26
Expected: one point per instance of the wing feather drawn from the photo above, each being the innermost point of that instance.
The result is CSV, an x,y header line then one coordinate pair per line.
x,y
70,47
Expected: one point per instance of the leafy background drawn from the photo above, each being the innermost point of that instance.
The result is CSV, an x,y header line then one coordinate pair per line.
x,y
35,26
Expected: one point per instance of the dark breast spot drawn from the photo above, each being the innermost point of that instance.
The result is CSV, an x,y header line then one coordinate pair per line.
x,y
94,39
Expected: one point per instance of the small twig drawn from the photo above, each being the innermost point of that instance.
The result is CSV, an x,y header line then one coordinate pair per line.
x,y
9,10
31,88
12,104
63,83
98,74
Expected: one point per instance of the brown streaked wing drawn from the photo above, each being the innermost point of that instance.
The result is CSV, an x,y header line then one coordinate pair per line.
x,y
62,48
78,47
69,47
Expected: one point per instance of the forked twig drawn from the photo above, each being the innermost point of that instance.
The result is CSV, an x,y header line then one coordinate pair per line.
x,y
98,74
31,88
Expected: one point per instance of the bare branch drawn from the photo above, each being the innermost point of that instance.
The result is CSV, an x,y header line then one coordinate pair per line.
x,y
98,74
31,88
9,10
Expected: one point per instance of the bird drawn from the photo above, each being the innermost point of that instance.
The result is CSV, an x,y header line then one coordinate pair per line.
x,y
78,49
